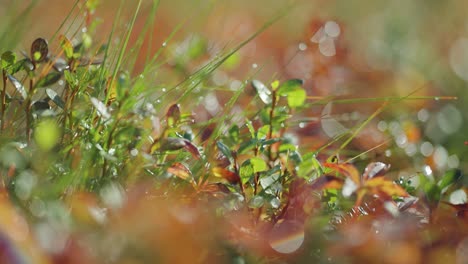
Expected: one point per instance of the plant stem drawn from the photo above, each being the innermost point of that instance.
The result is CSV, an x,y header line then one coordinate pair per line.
x,y
28,108
4,78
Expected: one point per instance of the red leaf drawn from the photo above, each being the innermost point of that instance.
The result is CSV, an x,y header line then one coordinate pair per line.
x,y
192,149
173,115
230,176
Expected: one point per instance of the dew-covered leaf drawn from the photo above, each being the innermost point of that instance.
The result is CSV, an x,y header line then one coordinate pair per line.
x,y
263,92
61,65
375,169
226,174
101,108
39,50
256,202
49,79
55,98
331,127
18,86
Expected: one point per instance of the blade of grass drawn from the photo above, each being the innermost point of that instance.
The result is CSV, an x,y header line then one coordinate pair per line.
x,y
66,19
136,48
123,49
325,99
369,150
213,65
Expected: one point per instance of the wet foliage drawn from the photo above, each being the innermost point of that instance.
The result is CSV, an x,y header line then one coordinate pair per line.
x,y
115,153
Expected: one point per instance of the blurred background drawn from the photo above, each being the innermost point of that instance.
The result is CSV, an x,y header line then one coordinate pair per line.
x,y
366,52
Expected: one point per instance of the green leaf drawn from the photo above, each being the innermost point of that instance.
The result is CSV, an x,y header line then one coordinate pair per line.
x,y
275,85
8,58
310,168
49,79
290,86
292,89
450,177
432,192
224,149
246,171
247,145
287,147
67,46
250,127
18,66
263,92
258,164
47,134
296,98
234,133
55,98
262,132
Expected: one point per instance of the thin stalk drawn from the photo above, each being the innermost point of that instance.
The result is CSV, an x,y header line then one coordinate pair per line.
x,y
325,99
28,108
270,129
362,125
4,79
123,50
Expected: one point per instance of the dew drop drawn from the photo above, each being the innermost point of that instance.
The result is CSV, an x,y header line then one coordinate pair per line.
x,y
255,66
164,44
332,29
134,152
302,46
286,236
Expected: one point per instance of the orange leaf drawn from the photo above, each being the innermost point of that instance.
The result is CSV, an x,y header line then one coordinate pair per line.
x,y
327,182
181,171
346,169
230,176
380,185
